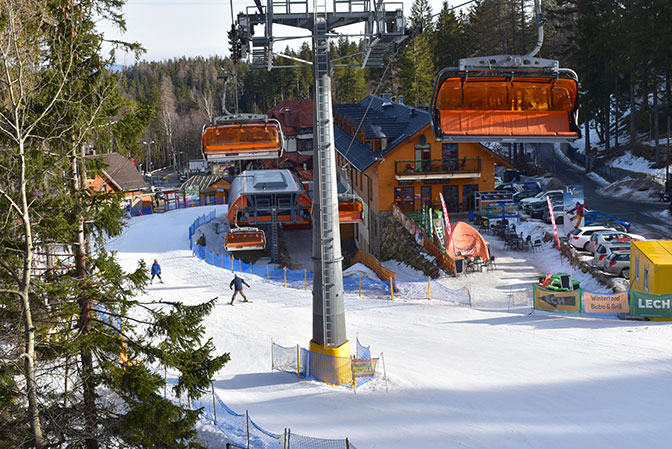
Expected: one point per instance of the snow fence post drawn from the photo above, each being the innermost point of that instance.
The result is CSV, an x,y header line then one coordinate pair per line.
x,y
268,276
429,288
247,422
285,268
298,361
214,408
391,289
382,356
352,373
360,285
305,279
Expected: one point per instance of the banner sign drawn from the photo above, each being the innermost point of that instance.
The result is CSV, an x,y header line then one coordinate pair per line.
x,y
606,303
649,305
555,301
573,207
364,367
550,212
449,240
192,193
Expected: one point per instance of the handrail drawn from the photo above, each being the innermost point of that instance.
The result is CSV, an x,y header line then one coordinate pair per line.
x,y
436,166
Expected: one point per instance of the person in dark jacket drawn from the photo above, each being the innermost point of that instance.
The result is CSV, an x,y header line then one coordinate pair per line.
x,y
156,271
238,284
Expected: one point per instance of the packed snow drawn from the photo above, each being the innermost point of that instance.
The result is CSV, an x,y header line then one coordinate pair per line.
x,y
483,376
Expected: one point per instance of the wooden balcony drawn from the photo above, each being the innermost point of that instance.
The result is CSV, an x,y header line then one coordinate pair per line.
x,y
438,169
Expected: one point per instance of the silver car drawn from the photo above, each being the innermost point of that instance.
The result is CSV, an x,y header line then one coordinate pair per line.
x,y
604,250
617,263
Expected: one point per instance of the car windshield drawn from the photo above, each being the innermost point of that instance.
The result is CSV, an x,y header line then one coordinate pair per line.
x,y
622,256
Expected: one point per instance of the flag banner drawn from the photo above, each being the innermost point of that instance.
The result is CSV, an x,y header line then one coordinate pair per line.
x,y
555,229
449,233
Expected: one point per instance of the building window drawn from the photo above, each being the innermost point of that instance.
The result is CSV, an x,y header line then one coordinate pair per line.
x,y
403,195
383,144
103,188
646,279
637,268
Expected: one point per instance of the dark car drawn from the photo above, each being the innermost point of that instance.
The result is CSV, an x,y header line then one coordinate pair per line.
x,y
539,208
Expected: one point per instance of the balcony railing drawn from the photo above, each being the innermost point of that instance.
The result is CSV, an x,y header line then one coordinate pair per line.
x,y
438,168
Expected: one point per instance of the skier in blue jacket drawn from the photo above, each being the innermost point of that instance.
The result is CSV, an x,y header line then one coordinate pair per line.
x,y
156,271
238,283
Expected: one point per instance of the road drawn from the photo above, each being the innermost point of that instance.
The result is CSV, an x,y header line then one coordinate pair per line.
x,y
644,217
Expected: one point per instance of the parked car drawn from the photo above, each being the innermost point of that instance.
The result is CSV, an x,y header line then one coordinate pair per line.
x,y
579,237
537,210
617,263
555,196
558,213
606,249
610,237
595,218
520,186
518,196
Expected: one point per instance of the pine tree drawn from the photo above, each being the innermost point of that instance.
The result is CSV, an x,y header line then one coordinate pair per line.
x,y
416,72
76,321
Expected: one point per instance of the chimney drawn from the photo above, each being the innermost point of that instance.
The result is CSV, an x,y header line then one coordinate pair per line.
x,y
401,99
386,100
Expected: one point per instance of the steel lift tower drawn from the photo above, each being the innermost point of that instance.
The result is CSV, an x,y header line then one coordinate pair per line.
x,y
383,30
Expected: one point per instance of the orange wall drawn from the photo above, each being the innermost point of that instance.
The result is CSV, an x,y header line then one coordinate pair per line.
x,y
383,173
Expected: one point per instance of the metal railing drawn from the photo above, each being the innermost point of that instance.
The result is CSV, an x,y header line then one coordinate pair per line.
x,y
446,166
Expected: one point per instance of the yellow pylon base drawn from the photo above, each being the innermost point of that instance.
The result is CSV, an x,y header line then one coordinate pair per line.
x,y
334,370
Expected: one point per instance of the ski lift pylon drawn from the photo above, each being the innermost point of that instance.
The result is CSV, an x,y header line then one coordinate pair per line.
x,y
242,137
245,239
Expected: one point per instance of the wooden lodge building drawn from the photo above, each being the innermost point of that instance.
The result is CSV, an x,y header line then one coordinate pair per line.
x,y
393,158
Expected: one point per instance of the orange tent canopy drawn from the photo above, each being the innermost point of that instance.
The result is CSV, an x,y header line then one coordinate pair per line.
x,y
467,241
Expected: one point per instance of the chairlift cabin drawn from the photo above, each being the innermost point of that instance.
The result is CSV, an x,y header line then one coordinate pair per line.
x,y
242,137
264,197
245,239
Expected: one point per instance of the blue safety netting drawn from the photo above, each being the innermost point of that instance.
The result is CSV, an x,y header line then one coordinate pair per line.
x,y
353,285
236,427
137,211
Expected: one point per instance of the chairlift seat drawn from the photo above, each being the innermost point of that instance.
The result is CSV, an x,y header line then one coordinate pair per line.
x,y
525,107
242,141
245,239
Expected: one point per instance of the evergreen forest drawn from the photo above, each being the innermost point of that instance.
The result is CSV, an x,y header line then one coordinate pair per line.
x,y
621,50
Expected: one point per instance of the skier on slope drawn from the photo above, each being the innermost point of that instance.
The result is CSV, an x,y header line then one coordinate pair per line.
x,y
156,271
238,283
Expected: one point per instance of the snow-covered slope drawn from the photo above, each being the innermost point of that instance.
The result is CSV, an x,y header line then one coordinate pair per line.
x,y
459,377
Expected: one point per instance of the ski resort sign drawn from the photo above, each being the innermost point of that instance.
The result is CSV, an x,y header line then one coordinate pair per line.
x,y
650,306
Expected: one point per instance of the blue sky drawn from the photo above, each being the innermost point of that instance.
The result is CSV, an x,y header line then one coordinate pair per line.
x,y
174,28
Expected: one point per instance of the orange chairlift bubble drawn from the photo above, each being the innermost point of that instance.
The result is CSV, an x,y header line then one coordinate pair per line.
x,y
506,98
245,239
242,137
349,209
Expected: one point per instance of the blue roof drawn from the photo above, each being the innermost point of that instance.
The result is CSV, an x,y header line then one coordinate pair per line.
x,y
395,122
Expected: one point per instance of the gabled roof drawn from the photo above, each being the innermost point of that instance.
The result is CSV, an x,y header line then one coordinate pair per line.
x,y
293,115
383,120
122,173
204,182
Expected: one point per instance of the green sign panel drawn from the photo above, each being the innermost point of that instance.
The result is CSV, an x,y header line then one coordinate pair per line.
x,y
649,305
